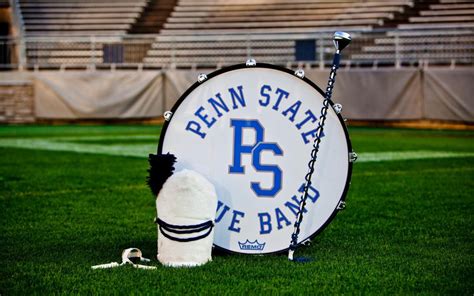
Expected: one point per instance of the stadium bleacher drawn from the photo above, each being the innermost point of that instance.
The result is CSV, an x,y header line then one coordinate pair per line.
x,y
447,14
258,18
264,17
192,33
56,29
70,17
431,34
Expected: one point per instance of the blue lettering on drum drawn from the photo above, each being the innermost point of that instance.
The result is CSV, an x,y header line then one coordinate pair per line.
x,y
207,121
237,215
270,97
265,223
277,219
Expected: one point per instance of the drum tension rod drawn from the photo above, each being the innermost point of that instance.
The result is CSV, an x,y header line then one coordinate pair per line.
x,y
341,205
352,156
202,77
337,108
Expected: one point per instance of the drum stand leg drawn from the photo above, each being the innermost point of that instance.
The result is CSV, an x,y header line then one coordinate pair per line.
x,y
341,40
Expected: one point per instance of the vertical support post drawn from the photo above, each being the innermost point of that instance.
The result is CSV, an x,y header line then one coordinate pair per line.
x,y
248,47
321,53
18,24
92,47
21,54
397,51
172,65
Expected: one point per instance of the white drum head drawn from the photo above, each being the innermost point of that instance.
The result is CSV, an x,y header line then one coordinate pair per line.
x,y
250,130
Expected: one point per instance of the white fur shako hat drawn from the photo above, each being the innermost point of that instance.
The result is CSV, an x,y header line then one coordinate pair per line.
x,y
186,205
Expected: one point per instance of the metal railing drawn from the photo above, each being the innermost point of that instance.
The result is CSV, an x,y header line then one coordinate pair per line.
x,y
394,48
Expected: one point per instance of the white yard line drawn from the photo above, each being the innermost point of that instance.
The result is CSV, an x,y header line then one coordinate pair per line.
x,y
112,137
405,155
142,150
40,144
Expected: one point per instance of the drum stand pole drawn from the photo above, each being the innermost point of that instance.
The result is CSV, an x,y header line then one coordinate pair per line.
x,y
341,40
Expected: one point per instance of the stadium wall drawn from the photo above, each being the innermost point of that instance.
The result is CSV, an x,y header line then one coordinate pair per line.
x,y
366,94
16,99
98,95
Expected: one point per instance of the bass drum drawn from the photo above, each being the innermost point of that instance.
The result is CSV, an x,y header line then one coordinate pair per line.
x,y
250,130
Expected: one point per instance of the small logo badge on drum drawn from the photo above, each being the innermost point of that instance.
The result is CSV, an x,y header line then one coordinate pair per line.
x,y
251,246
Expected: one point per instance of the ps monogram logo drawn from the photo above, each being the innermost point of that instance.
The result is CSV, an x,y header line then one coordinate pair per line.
x,y
255,150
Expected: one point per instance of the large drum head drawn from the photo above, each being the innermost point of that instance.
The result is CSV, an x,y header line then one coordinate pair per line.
x,y
250,130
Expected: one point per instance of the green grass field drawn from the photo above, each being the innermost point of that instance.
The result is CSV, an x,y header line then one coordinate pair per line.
x,y
408,226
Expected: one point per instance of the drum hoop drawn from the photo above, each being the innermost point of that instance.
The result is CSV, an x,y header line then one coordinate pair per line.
x,y
312,84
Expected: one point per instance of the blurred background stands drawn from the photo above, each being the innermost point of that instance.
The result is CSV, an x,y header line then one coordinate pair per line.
x,y
39,34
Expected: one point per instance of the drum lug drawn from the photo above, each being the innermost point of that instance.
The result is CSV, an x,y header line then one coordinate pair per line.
x,y
337,108
352,156
202,77
250,63
168,115
341,205
300,73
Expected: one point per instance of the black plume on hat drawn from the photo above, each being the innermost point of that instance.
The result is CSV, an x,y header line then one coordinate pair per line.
x,y
161,168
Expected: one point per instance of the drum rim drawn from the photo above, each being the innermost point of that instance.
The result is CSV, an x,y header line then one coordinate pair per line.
x,y
312,84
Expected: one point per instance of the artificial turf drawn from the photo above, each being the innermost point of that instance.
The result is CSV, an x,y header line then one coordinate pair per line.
x,y
407,228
